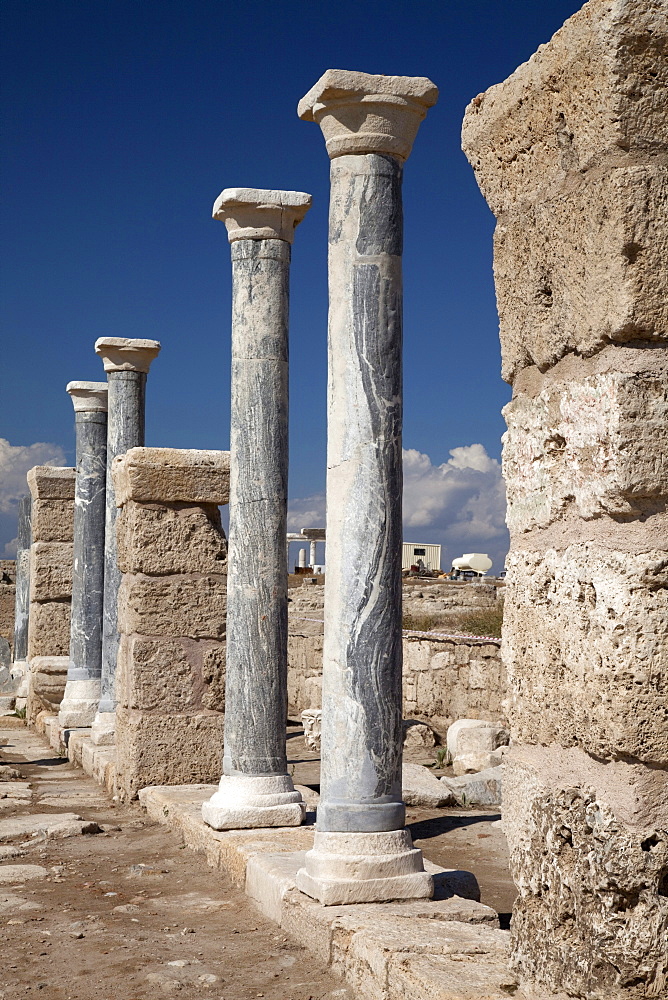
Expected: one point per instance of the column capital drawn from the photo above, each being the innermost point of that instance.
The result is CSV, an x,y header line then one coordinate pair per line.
x,y
88,396
254,214
367,113
122,354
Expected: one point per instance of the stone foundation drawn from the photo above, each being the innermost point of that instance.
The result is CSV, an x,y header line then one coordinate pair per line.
x,y
171,611
571,154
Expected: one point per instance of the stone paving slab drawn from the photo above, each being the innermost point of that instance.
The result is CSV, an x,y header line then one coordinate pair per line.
x,y
386,951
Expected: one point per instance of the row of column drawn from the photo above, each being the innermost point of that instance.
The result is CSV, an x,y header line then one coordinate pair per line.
x,y
109,420
362,851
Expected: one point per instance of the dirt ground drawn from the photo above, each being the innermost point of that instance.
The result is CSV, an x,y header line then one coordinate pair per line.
x,y
127,913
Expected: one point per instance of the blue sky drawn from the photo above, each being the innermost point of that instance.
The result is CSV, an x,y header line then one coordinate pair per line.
x,y
122,122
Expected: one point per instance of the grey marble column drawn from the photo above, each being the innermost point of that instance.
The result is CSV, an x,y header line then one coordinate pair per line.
x,y
126,363
255,789
22,602
361,850
83,686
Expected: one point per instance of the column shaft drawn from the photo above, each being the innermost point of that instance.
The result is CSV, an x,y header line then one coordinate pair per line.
x,y
361,788
127,398
22,602
256,663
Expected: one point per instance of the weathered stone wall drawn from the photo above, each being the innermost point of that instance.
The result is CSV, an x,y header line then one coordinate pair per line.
x,y
51,554
443,680
571,153
170,676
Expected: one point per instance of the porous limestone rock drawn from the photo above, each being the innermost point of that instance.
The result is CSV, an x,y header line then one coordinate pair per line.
x,y
571,152
418,735
172,475
171,616
419,787
479,789
46,684
51,571
586,643
472,763
457,727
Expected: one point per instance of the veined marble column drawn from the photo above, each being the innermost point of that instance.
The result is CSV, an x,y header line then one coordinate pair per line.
x,y
83,686
255,789
126,363
22,602
361,850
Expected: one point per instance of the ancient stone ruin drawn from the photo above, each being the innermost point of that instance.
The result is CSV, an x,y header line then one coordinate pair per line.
x,y
155,652
571,154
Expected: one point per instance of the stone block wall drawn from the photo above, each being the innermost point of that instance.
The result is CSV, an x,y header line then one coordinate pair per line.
x,y
443,680
170,677
52,491
571,152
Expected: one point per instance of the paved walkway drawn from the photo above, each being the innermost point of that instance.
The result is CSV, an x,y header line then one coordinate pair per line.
x,y
98,902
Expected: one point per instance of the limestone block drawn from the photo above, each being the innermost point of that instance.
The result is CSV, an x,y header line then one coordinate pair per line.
x,y
166,749
158,540
417,735
482,739
588,853
481,789
597,91
452,740
599,445
473,763
52,521
46,684
419,787
51,565
213,675
49,629
584,269
47,482
190,606
171,475
586,643
156,674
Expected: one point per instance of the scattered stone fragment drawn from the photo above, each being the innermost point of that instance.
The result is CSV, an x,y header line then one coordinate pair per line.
x,y
418,734
54,825
422,788
471,763
481,789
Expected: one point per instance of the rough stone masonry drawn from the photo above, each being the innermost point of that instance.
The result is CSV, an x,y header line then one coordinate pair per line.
x,y
172,554
571,153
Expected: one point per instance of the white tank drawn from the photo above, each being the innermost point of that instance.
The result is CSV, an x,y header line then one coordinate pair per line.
x,y
479,562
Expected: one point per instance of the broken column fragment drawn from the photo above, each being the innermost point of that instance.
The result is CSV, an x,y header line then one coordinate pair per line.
x,y
571,153
362,852
172,555
255,789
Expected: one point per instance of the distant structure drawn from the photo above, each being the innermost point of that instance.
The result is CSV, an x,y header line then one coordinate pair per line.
x,y
422,555
472,562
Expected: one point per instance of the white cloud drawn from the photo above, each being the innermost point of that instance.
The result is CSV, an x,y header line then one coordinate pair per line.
x,y
15,460
460,503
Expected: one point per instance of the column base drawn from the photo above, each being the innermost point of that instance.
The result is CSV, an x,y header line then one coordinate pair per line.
x,y
79,705
364,868
103,729
246,802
